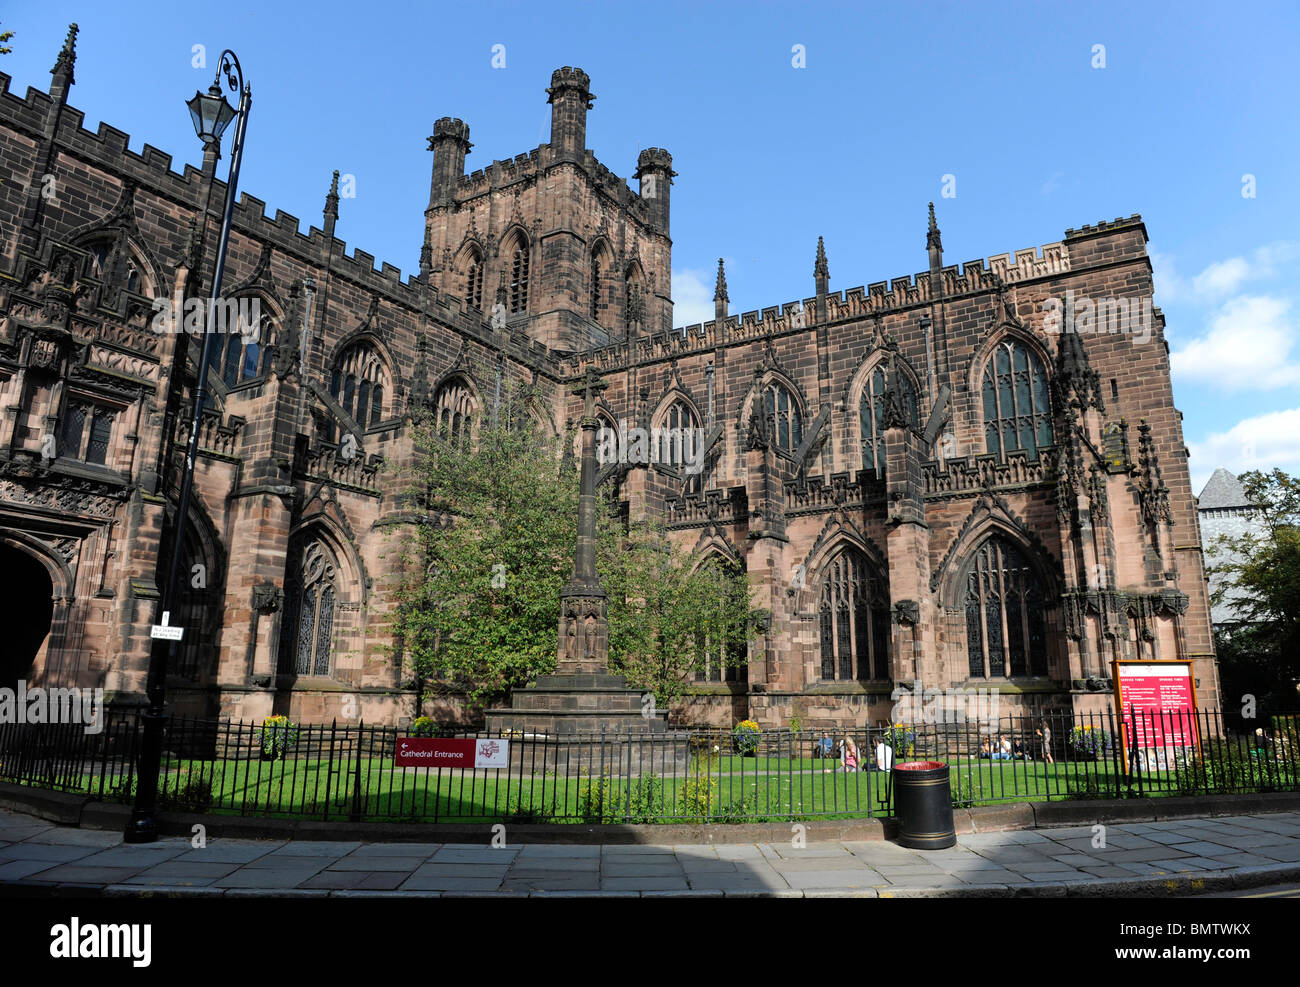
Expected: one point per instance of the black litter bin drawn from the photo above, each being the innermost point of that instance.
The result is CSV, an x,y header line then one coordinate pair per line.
x,y
923,804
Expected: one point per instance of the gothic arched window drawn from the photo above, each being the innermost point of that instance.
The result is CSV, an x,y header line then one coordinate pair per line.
x,y
717,660
357,382
517,257
1005,633
872,410
239,354
1017,414
454,412
596,271
679,441
474,279
196,611
784,423
311,593
112,262
853,620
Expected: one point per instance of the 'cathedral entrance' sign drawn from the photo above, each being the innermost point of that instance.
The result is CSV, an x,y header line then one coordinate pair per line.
x,y
469,752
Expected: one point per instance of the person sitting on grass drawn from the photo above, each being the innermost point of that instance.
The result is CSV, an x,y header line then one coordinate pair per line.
x,y
985,751
884,756
1003,751
849,755
825,747
1018,750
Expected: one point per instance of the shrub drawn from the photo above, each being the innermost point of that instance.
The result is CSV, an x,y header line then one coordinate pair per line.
x,y
967,789
278,736
698,797
745,737
706,752
1088,741
422,726
517,812
1086,786
194,793
742,810
596,799
901,738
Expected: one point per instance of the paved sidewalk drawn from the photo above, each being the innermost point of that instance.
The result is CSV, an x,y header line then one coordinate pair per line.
x,y
1179,857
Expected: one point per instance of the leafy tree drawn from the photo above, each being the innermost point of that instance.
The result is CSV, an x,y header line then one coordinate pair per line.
x,y
1260,655
670,610
494,527
5,36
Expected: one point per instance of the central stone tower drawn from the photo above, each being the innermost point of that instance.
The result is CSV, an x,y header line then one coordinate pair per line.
x,y
570,241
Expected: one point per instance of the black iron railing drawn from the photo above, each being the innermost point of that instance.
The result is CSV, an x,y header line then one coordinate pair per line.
x,y
336,772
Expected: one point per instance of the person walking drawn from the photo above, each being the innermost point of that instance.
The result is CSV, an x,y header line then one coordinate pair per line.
x,y
1044,732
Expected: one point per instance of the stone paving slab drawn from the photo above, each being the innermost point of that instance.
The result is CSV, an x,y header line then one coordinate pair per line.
x,y
86,875
45,851
225,852
377,863
279,878
16,870
173,871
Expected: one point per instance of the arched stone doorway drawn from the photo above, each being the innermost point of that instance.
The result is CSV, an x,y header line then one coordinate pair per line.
x,y
26,610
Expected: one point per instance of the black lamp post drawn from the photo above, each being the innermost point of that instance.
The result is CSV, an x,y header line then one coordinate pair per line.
x,y
211,114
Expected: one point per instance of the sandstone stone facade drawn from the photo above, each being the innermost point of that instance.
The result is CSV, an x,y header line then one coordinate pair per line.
x,y
923,481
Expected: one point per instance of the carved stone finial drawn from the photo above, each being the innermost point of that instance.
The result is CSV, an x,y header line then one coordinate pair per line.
x,y
332,197
820,267
67,55
932,239
720,288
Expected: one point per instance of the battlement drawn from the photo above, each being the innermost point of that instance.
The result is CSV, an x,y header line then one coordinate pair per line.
x,y
653,157
897,294
153,174
567,78
1118,223
507,171
451,127
504,171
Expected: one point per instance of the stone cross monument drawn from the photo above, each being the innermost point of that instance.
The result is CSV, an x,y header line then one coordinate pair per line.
x,y
582,696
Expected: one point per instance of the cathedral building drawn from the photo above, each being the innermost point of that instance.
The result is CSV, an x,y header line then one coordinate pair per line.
x,y
972,477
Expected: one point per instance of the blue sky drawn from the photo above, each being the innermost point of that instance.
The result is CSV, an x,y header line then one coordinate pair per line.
x,y
1004,97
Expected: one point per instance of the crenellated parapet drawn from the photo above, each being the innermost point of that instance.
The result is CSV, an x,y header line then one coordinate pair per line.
x,y
327,463
818,494
969,476
710,507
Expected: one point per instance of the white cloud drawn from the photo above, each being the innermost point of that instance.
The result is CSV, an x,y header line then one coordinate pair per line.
x,y
1248,347
1260,443
693,296
1223,277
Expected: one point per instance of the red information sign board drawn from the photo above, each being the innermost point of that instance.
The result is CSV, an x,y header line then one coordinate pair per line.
x,y
1157,707
459,752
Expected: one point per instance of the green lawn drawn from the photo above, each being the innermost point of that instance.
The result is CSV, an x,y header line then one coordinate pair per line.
x,y
729,788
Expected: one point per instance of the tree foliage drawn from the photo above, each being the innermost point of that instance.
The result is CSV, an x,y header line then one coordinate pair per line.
x,y
490,546
1260,655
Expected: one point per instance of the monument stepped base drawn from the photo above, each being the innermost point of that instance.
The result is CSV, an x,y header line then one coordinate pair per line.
x,y
591,722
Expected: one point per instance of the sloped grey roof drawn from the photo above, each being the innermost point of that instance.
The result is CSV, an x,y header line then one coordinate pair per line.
x,y
1222,490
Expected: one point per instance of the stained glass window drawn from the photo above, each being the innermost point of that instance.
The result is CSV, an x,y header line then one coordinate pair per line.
x,y
872,410
1005,634
1017,413
853,618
